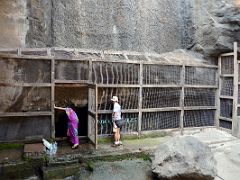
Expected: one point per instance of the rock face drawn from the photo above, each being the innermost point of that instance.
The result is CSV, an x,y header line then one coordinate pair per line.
x,y
207,26
184,158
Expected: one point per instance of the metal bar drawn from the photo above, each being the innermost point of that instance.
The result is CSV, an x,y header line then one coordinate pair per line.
x,y
72,81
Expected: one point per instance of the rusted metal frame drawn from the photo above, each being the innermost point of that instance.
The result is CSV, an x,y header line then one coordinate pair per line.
x,y
182,82
53,97
218,93
140,99
26,114
235,123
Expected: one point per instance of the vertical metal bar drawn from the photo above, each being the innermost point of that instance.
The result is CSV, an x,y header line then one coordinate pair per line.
x,y
182,82
218,93
235,123
140,98
52,97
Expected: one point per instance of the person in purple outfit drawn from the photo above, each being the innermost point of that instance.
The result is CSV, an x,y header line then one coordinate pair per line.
x,y
72,131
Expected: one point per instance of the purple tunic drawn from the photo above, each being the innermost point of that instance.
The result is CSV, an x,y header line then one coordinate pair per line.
x,y
72,125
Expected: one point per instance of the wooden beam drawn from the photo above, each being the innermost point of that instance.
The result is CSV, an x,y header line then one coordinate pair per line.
x,y
200,108
225,119
235,124
227,54
140,99
18,114
118,85
59,81
53,98
182,82
26,84
218,93
226,97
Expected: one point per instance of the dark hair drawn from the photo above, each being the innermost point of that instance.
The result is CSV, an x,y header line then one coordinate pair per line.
x,y
71,105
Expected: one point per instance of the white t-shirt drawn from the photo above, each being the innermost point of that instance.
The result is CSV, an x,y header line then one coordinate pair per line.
x,y
117,109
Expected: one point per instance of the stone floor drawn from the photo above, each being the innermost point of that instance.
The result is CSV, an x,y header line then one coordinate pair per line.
x,y
225,147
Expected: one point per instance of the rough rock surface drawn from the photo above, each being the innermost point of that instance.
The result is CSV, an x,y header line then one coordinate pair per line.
x,y
184,158
207,26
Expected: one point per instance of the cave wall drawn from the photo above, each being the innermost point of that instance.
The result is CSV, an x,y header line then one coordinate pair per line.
x,y
207,26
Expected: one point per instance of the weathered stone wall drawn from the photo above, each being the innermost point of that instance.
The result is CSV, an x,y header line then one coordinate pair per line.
x,y
137,25
206,26
211,26
13,24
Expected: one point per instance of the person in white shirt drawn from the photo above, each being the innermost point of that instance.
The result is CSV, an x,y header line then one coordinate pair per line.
x,y
116,121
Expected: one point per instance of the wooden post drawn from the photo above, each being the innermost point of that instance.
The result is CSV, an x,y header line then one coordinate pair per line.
x,y
182,82
52,98
140,99
218,93
235,123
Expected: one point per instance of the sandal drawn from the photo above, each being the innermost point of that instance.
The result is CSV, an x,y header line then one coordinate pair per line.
x,y
75,146
115,145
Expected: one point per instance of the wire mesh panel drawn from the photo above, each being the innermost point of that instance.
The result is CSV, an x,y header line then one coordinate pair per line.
x,y
227,86
22,99
160,74
227,64
71,70
200,76
198,118
161,97
226,106
225,124
115,73
105,123
199,97
25,71
160,120
18,128
128,98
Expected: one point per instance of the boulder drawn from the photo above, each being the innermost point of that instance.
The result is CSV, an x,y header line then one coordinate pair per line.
x,y
184,158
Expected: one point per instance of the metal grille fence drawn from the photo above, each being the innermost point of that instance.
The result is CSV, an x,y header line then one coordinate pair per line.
x,y
160,120
227,86
115,73
198,118
227,65
200,76
225,124
160,74
128,98
226,106
130,123
199,97
161,97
